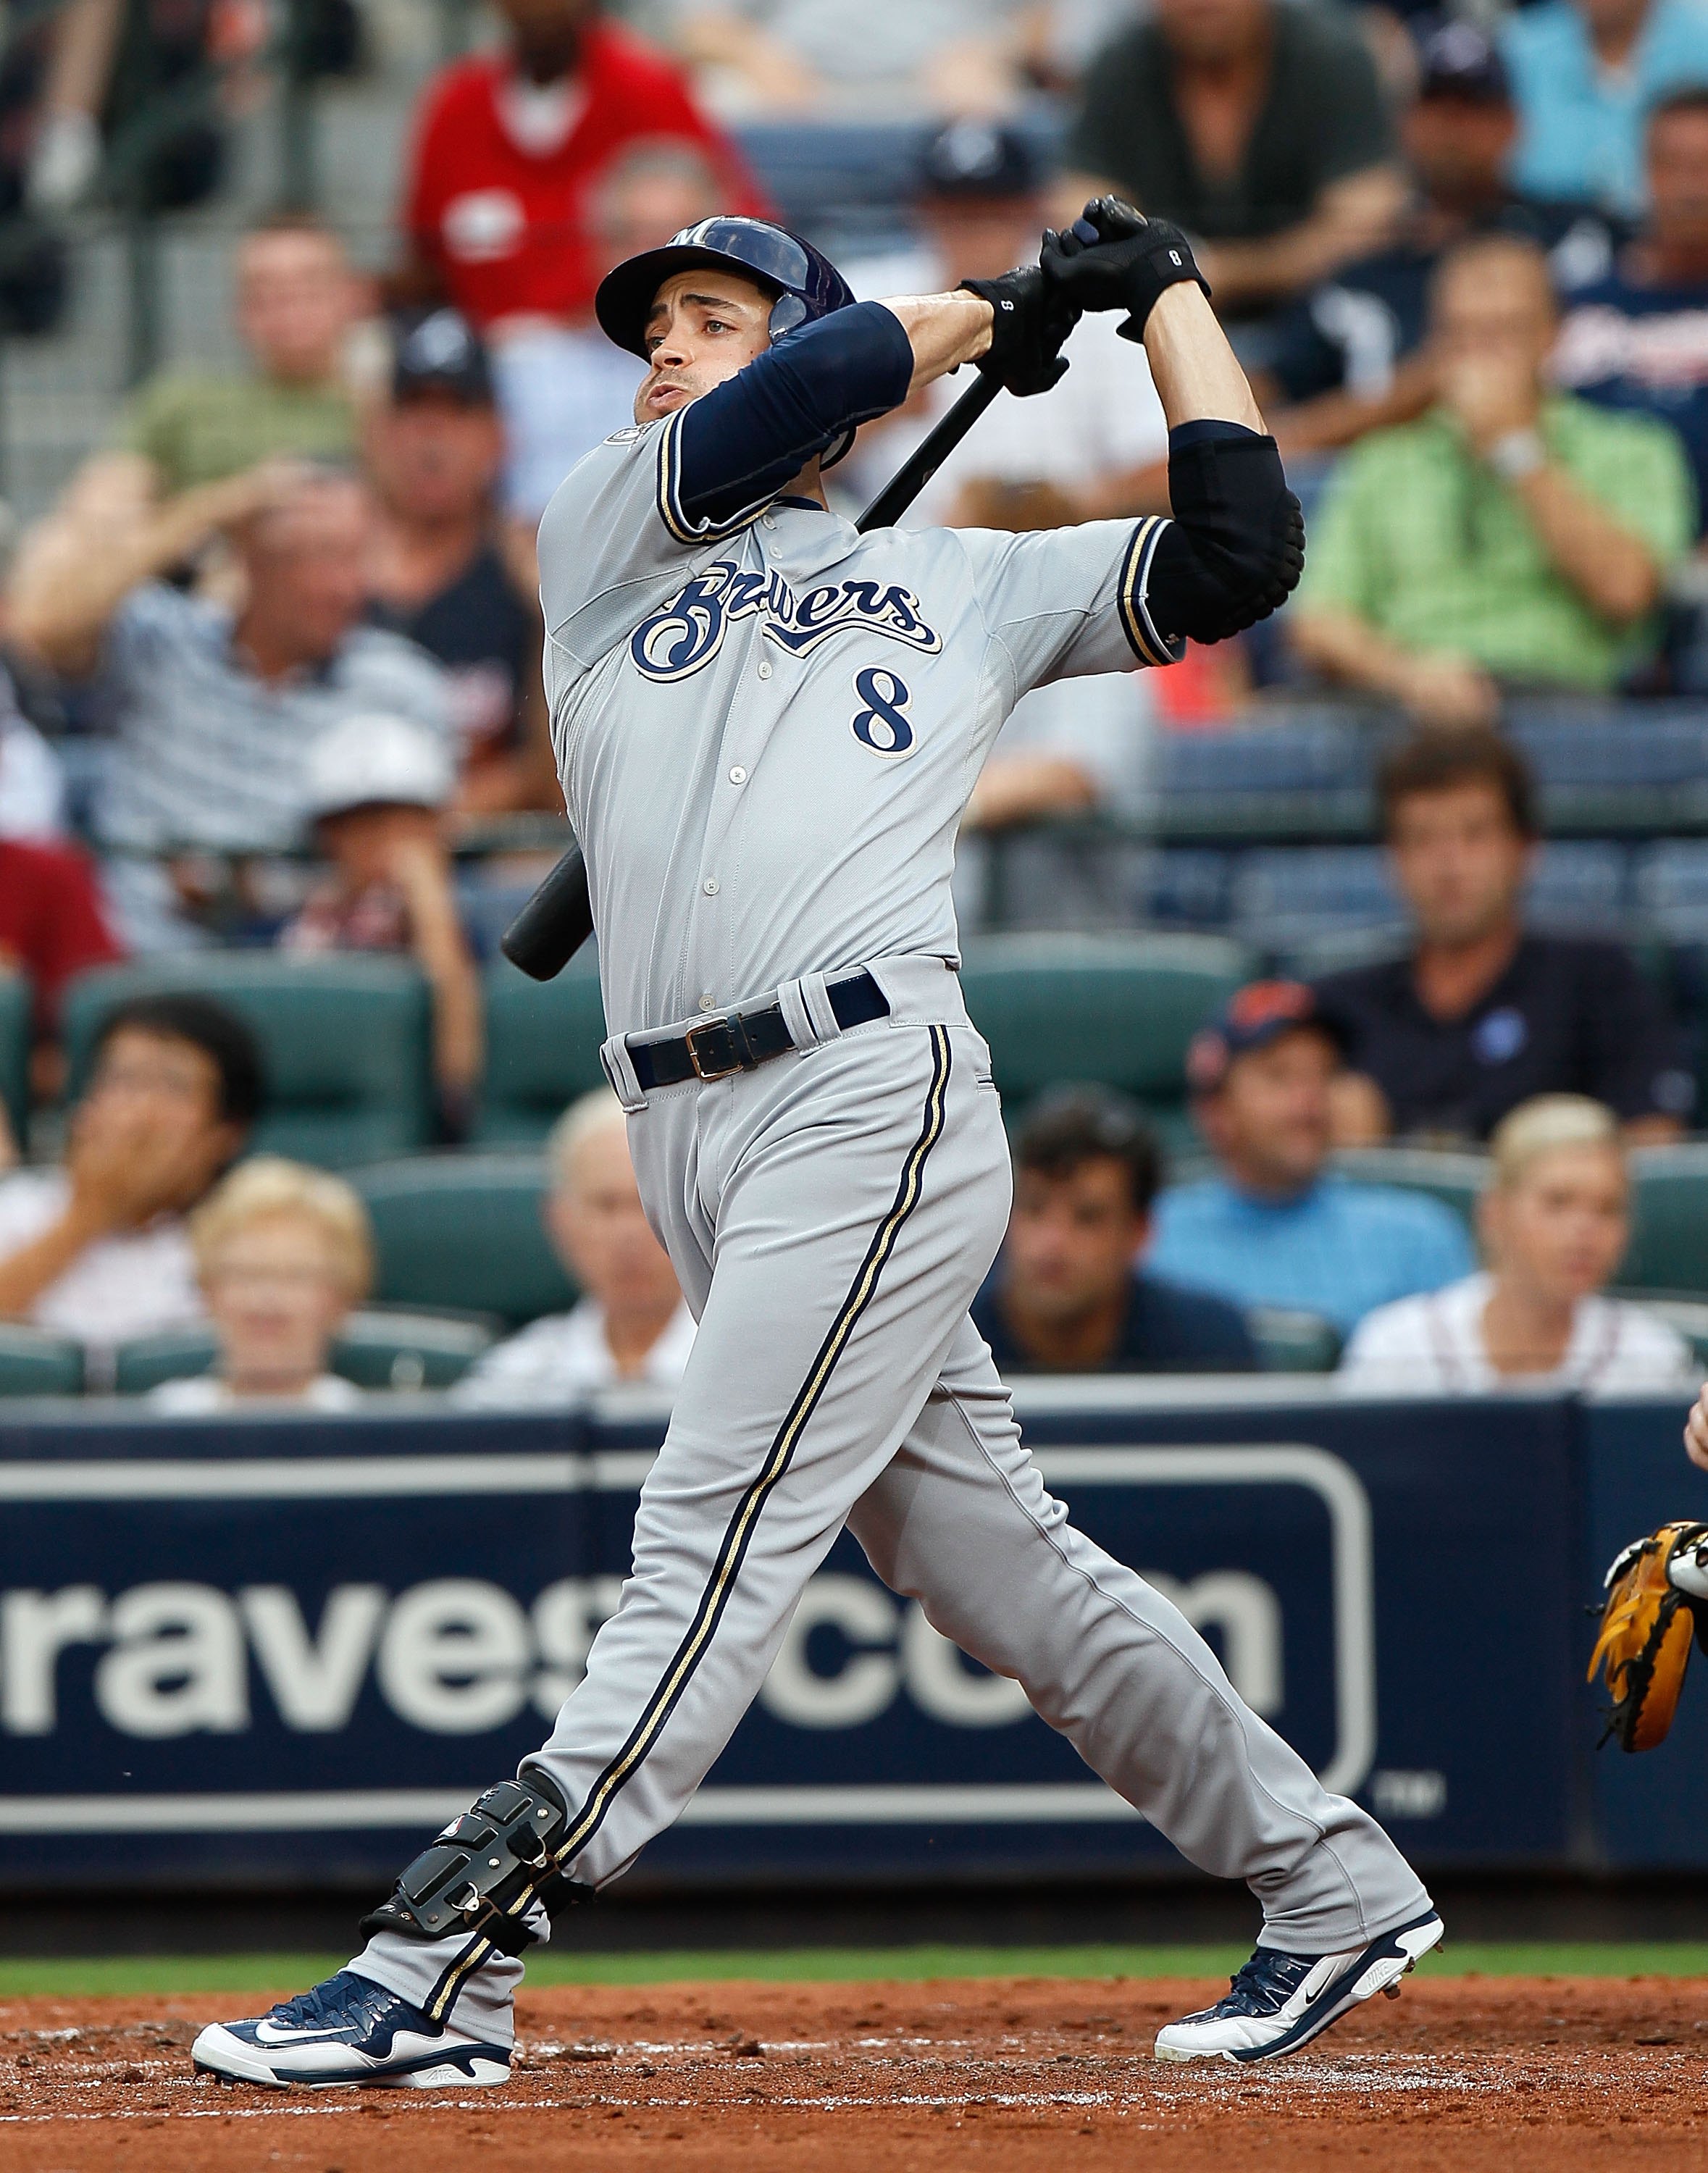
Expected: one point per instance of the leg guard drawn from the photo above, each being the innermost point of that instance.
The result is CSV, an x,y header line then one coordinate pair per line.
x,y
485,1871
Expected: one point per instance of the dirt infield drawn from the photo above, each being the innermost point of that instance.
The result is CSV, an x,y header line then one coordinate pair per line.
x,y
1467,2073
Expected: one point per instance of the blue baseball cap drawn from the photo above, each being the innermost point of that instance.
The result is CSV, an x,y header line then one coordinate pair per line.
x,y
1257,1017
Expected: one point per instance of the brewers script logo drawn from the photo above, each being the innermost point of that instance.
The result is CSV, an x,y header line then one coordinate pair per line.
x,y
688,633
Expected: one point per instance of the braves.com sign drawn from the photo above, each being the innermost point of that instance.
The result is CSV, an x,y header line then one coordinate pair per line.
x,y
302,1655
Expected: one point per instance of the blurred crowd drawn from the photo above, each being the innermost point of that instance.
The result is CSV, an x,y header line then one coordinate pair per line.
x,y
273,659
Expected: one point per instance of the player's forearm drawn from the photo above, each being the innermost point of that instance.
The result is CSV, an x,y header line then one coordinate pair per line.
x,y
1197,377
943,330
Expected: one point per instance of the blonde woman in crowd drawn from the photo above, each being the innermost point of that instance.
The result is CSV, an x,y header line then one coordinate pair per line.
x,y
1554,1220
283,1252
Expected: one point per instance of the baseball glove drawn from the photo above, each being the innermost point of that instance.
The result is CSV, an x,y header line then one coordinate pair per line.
x,y
1646,1626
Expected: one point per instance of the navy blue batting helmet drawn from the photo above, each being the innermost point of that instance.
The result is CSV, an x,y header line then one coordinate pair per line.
x,y
808,285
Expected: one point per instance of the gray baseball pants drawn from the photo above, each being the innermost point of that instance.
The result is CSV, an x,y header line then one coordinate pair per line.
x,y
831,1217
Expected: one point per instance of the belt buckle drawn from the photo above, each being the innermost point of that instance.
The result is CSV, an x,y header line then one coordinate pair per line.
x,y
711,1067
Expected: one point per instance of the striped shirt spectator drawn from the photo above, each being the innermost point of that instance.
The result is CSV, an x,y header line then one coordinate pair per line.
x,y
213,755
214,714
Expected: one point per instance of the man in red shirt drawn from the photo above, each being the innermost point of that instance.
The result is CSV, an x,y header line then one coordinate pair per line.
x,y
507,145
52,923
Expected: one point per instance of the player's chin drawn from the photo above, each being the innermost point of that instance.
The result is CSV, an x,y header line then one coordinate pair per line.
x,y
653,404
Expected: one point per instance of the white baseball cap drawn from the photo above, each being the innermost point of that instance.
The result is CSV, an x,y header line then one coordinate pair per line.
x,y
367,760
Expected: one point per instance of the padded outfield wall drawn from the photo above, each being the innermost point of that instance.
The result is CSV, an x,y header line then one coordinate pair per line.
x,y
286,1650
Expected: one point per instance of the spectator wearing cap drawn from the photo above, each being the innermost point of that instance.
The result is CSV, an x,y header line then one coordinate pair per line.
x,y
980,205
96,1248
1069,1293
888,59
1585,73
214,710
1272,1227
1349,357
1483,1013
1637,340
630,1324
377,789
1511,538
449,573
508,147
1554,1220
1258,126
565,387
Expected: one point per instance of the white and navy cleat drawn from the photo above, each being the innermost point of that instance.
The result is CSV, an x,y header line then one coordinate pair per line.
x,y
1279,2002
345,2031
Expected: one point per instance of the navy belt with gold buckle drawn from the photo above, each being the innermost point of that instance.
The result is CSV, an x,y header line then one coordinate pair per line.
x,y
741,1041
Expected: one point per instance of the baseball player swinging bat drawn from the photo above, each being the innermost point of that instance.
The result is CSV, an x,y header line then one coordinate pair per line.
x,y
558,919
767,725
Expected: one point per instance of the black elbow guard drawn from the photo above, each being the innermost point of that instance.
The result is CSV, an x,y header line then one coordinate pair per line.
x,y
1235,548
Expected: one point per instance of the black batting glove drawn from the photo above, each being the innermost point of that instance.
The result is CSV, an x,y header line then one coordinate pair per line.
x,y
1112,258
1030,319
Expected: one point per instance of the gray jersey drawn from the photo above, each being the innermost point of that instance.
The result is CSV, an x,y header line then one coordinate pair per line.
x,y
768,731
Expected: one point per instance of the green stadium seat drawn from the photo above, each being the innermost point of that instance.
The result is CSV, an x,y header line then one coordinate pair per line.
x,y
345,1041
543,1039
1453,1179
1669,1240
464,1230
34,1363
1116,1009
378,1348
1291,1341
14,1050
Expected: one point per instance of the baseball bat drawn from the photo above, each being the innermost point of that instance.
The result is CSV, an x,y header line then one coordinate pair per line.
x,y
558,919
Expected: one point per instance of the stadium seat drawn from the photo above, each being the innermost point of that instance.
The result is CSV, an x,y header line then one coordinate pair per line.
x,y
1118,1009
33,1363
14,1051
464,1232
1669,1240
1293,903
542,1049
1183,887
1306,774
345,1041
1623,766
1580,884
1290,1341
378,1348
1669,888
1454,1180
1281,900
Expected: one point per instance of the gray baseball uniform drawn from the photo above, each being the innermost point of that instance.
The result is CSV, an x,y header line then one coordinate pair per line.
x,y
767,737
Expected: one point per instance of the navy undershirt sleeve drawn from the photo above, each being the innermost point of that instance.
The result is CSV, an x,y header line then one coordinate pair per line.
x,y
740,444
